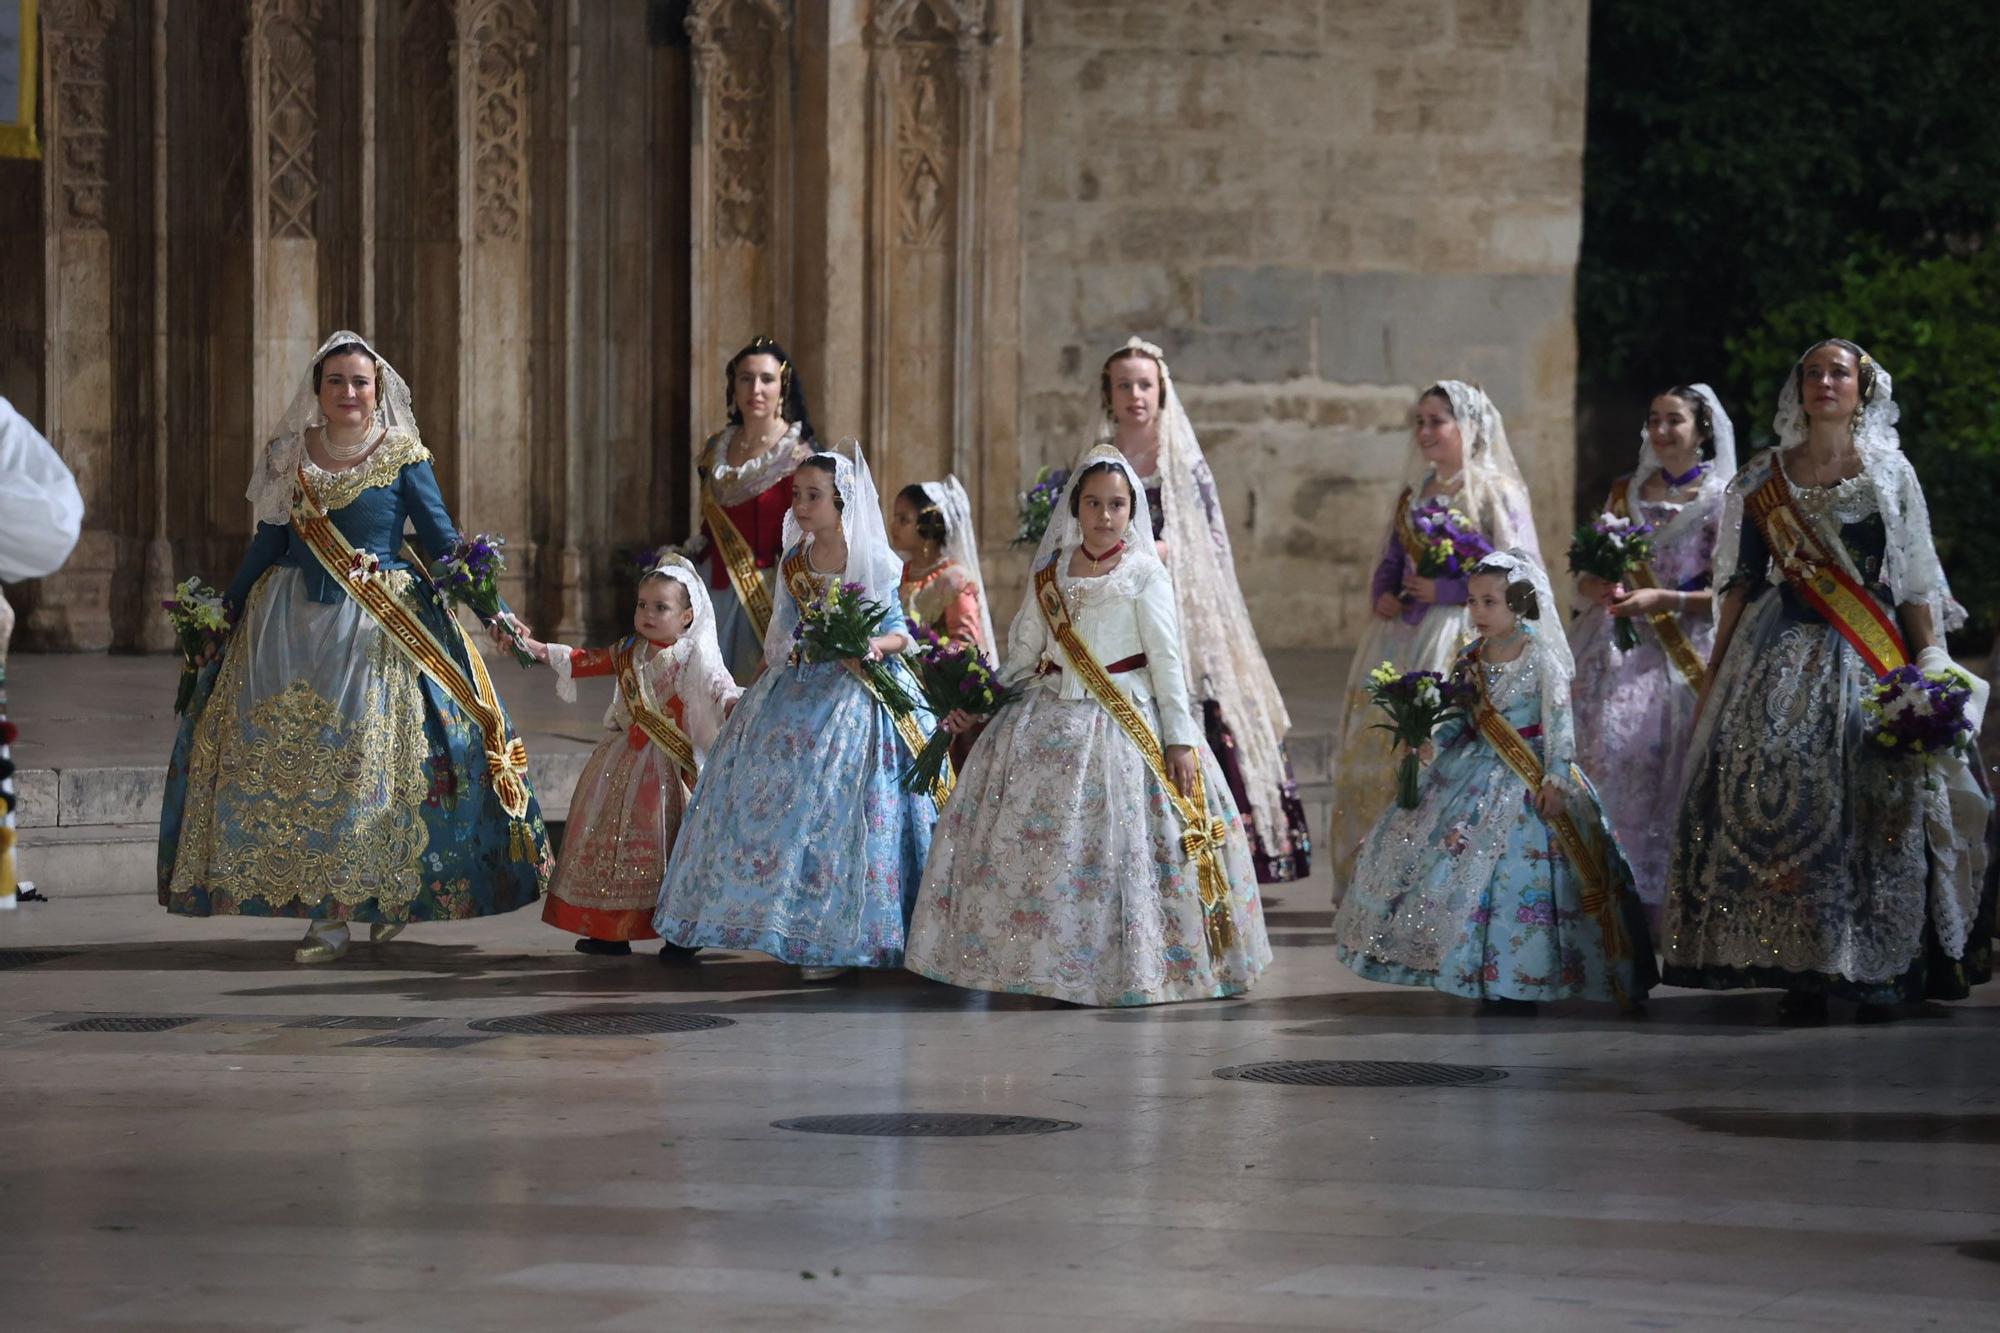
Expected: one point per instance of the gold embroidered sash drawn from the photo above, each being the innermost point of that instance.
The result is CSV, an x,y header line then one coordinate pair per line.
x,y
1821,576
1520,756
1202,837
799,582
1406,526
739,562
353,570
1667,624
656,722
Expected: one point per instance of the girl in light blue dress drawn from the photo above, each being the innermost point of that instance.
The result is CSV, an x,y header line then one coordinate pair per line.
x,y
1505,884
799,841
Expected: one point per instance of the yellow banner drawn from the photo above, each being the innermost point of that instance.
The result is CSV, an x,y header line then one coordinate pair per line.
x,y
740,562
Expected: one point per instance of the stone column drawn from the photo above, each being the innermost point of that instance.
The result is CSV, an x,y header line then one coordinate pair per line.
x,y
71,611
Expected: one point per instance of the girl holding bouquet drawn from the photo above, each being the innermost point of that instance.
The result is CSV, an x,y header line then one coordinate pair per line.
x,y
1464,497
1092,852
673,694
1505,883
1808,855
800,842
1635,709
346,758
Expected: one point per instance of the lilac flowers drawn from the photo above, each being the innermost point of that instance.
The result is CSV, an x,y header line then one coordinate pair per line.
x,y
1416,702
470,573
1609,549
1448,545
1038,502
1919,713
952,674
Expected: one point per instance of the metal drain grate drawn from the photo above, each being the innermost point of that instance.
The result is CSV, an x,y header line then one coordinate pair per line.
x,y
125,1023
615,1023
428,1041
355,1022
10,958
925,1125
1360,1074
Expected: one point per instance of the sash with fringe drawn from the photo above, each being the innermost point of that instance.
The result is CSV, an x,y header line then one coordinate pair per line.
x,y
1667,624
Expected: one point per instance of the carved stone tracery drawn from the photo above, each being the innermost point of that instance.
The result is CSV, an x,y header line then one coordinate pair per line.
x,y
75,33
286,32
501,43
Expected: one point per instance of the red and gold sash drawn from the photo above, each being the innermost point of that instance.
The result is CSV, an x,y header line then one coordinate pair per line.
x,y
658,725
1406,525
799,582
506,759
739,562
1584,856
1202,837
1666,624
1820,574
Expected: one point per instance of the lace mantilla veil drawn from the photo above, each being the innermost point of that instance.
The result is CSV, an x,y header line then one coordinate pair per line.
x,y
1555,666
961,545
698,654
870,560
1491,481
1715,478
1910,565
1224,660
270,492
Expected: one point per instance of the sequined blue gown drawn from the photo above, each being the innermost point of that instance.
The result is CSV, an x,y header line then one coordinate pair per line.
x,y
1471,893
798,841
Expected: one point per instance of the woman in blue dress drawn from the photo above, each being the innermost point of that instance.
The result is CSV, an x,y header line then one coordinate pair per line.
x,y
1505,884
345,758
799,841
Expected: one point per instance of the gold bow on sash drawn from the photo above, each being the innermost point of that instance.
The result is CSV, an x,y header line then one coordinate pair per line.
x,y
1666,624
739,562
506,758
658,725
800,583
1821,575
1584,857
1202,835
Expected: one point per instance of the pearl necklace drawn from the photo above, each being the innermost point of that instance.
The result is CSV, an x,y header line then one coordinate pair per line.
x,y
347,453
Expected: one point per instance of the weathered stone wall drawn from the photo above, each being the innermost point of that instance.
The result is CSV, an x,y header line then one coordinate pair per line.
x,y
1316,209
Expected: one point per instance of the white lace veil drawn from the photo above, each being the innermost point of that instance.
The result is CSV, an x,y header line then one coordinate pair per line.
x,y
699,656
871,561
1065,533
1491,481
1715,479
1910,566
961,545
1554,663
1219,644
270,492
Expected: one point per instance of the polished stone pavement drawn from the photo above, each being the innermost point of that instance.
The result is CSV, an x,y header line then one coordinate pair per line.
x,y
1700,1169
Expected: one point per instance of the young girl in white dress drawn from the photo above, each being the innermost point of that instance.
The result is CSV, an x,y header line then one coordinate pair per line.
x,y
1091,852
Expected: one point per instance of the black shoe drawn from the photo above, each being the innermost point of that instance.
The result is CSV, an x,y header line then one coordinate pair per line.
x,y
673,955
1802,1009
603,948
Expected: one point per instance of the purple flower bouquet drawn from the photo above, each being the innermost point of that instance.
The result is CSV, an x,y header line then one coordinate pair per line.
x,y
1038,502
1609,549
1416,702
470,573
952,675
1449,545
1917,713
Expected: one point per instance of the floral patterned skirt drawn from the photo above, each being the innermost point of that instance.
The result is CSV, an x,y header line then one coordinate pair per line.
x,y
799,842
623,819
318,774
1057,870
1471,894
